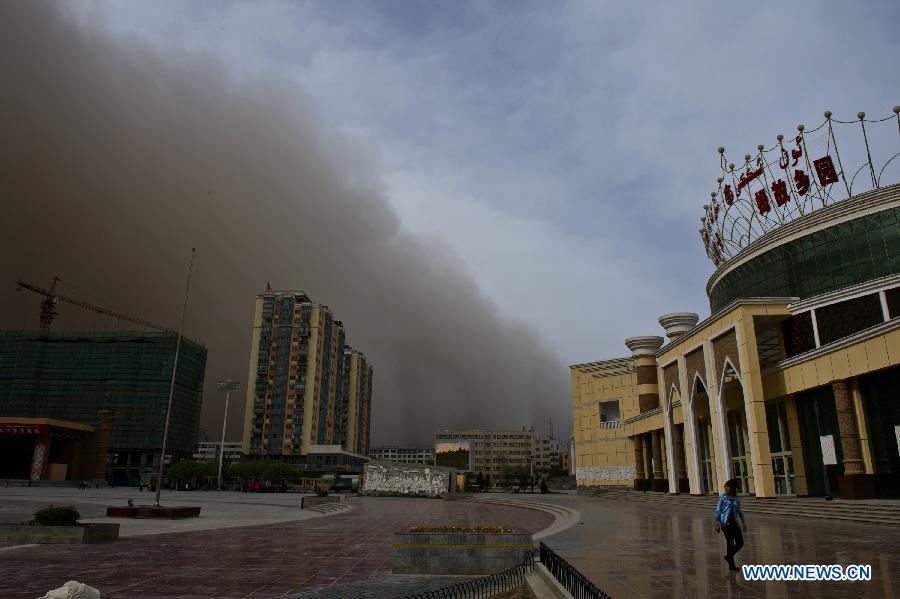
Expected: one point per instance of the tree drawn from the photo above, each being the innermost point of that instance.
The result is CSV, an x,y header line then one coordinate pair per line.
x,y
190,471
516,476
248,470
281,472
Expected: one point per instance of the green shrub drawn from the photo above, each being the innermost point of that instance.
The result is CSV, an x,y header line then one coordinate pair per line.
x,y
56,516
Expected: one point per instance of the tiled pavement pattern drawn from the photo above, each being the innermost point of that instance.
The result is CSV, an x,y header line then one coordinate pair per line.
x,y
636,549
218,510
260,561
381,587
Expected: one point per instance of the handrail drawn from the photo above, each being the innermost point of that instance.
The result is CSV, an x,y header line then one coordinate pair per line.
x,y
576,583
486,586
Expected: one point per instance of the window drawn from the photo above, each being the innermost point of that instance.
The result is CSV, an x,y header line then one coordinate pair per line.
x,y
840,320
839,256
798,334
609,410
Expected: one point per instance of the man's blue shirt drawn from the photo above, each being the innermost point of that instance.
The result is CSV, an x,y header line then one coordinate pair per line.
x,y
728,509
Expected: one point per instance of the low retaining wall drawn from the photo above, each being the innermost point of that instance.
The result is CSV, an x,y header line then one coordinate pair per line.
x,y
312,500
146,511
456,553
81,534
405,480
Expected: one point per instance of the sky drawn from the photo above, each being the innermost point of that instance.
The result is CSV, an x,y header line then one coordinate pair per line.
x,y
563,150
557,154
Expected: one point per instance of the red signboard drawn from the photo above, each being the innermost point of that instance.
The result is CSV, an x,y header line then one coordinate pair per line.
x,y
11,428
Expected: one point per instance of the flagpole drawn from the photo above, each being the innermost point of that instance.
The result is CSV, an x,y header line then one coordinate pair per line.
x,y
162,455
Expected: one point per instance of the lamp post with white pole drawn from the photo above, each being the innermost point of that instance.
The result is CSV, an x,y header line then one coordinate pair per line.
x,y
227,386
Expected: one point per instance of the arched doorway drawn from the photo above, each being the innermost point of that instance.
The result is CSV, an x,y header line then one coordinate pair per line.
x,y
731,399
703,434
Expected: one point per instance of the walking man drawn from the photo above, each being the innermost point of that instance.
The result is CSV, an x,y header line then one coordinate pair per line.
x,y
728,509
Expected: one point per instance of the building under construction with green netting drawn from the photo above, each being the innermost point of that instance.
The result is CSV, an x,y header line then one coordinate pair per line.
x,y
74,376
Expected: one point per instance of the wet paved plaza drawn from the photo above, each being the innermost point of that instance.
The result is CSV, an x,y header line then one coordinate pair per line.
x,y
258,561
637,549
629,548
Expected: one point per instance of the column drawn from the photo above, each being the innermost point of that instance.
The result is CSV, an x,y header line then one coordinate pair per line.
x,y
862,427
659,483
680,466
644,351
854,483
640,475
638,457
39,458
101,444
843,405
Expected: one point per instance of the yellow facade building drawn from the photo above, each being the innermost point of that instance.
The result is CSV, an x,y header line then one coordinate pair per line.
x,y
799,360
357,402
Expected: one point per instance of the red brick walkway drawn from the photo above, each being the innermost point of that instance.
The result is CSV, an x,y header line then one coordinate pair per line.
x,y
266,561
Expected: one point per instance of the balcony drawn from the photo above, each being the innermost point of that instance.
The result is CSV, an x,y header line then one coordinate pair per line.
x,y
609,424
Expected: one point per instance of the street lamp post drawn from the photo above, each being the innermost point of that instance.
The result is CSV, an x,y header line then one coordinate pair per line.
x,y
531,477
227,386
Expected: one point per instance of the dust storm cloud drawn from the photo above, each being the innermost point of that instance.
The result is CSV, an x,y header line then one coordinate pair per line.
x,y
117,158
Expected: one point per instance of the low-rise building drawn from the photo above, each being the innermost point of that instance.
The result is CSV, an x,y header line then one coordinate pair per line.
x,y
492,452
403,455
208,451
333,459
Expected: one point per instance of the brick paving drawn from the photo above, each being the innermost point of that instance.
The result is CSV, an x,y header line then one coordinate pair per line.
x,y
259,561
381,587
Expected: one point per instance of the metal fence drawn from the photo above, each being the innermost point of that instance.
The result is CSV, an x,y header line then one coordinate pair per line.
x,y
486,586
571,579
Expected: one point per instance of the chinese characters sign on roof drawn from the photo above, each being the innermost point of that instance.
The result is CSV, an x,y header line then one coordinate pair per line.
x,y
795,177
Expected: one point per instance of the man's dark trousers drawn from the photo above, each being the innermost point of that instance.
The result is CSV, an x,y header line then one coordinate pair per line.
x,y
734,540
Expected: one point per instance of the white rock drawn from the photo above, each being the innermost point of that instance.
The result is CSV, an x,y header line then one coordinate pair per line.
x,y
73,590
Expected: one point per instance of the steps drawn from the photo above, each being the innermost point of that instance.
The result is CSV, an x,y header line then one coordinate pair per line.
x,y
875,512
563,517
329,508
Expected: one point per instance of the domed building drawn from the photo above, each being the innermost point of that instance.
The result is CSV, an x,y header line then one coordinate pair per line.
x,y
792,385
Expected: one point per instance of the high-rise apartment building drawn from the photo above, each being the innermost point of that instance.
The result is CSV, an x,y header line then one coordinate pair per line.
x,y
302,387
357,404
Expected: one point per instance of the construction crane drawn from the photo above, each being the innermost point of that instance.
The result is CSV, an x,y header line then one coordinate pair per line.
x,y
52,298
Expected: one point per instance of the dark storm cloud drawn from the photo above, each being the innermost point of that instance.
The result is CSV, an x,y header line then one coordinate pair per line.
x,y
116,159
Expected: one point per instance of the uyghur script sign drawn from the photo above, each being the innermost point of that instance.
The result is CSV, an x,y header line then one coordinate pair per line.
x,y
22,429
789,180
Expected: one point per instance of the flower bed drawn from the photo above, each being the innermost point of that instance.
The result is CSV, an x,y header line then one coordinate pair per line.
x,y
78,534
454,550
469,530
